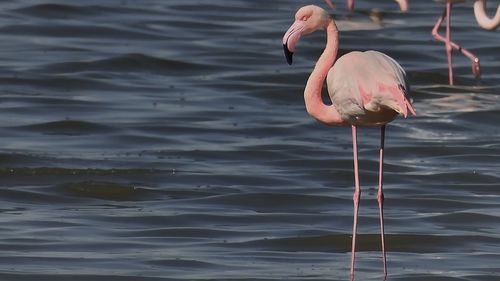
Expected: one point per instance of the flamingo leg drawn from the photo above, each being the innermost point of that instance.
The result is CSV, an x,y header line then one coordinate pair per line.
x,y
350,5
476,68
449,49
380,196
356,197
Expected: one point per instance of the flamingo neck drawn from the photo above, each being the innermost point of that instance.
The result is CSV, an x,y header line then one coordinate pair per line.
x,y
326,114
482,18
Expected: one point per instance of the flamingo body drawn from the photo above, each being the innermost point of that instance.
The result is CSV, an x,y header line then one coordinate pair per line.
x,y
368,88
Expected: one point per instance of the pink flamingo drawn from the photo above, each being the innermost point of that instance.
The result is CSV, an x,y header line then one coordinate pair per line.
x,y
483,20
366,89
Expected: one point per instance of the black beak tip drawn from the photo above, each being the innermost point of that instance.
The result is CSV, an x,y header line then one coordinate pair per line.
x,y
288,54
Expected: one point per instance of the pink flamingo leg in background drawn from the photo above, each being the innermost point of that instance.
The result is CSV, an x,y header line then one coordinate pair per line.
x,y
350,5
356,196
380,196
450,45
330,4
448,40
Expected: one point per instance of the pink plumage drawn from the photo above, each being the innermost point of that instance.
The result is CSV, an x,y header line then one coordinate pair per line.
x,y
369,88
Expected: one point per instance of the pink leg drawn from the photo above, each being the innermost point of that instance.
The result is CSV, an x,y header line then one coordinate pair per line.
x,y
350,5
330,4
355,197
380,196
476,69
449,49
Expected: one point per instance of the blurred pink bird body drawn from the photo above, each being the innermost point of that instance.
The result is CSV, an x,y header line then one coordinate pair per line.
x,y
366,89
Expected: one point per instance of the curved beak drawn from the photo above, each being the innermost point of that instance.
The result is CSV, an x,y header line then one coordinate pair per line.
x,y
291,37
288,54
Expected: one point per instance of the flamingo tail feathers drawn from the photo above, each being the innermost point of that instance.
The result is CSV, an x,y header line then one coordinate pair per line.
x,y
403,105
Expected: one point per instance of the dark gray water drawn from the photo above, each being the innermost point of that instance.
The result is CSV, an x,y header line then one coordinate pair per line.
x,y
167,140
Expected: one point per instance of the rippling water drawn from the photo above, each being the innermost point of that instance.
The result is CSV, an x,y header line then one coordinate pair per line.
x,y
167,140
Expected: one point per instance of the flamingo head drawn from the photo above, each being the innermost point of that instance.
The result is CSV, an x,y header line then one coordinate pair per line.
x,y
307,20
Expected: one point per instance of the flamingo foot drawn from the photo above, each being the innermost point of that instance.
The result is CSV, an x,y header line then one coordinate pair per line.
x,y
476,68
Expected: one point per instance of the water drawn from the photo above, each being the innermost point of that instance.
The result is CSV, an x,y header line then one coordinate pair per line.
x,y
167,140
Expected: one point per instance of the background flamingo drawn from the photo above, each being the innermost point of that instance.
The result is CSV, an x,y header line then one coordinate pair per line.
x,y
483,20
366,89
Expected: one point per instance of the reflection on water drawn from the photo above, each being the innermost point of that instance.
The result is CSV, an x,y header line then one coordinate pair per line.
x,y
168,141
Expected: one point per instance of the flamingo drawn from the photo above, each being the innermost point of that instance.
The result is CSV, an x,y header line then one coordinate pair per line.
x,y
366,89
482,19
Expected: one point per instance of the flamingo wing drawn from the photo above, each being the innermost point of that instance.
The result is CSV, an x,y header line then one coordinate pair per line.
x,y
364,85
